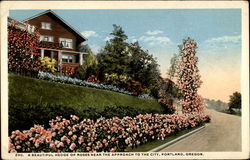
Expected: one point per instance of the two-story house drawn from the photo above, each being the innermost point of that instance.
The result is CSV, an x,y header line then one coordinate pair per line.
x,y
58,39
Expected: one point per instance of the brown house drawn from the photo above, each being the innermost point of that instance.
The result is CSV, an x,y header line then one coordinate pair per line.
x,y
58,39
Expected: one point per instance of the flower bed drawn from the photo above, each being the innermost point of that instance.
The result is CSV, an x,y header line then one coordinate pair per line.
x,y
108,135
75,81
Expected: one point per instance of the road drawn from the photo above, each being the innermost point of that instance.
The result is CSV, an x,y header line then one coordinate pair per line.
x,y
223,133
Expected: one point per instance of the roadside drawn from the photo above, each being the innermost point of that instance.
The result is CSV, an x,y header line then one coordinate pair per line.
x,y
223,133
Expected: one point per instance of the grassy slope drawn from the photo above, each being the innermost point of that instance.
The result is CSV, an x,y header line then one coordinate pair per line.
x,y
24,90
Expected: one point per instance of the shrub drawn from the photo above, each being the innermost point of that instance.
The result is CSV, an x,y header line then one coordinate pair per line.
x,y
135,87
23,51
48,64
104,135
117,80
23,117
93,79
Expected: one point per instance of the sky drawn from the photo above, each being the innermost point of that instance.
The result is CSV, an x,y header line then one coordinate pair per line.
x,y
160,31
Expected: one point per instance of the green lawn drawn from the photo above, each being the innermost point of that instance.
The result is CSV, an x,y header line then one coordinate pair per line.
x,y
151,145
24,90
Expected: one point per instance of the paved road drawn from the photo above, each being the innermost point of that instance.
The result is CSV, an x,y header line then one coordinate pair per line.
x,y
223,133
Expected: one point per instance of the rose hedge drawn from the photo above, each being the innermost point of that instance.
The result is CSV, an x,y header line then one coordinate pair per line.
x,y
108,135
75,81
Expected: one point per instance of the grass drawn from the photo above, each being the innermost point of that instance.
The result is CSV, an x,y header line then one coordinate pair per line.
x,y
25,90
151,145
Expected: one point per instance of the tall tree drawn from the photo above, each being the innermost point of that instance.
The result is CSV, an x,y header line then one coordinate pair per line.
x,y
114,57
174,66
189,78
235,101
144,68
90,65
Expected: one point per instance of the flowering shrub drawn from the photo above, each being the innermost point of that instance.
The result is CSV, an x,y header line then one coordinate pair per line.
x,y
104,135
48,64
189,78
75,81
68,70
93,79
23,51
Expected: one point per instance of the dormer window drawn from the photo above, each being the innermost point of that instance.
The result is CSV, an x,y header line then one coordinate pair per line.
x,y
66,43
46,25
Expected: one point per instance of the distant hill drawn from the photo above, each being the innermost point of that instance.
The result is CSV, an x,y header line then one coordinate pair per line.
x,y
216,105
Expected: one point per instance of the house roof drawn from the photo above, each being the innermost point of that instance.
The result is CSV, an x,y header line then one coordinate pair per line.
x,y
58,17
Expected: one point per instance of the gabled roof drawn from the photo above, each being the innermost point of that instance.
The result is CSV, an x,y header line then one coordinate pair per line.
x,y
58,17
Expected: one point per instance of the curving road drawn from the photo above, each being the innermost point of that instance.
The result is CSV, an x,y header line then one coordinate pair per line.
x,y
223,133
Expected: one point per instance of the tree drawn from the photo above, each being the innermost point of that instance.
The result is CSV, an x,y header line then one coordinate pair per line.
x,y
144,68
235,101
189,78
90,65
174,66
114,57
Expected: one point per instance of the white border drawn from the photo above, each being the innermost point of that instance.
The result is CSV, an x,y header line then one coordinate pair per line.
x,y
10,5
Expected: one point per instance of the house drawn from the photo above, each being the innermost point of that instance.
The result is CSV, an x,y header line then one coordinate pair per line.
x,y
58,39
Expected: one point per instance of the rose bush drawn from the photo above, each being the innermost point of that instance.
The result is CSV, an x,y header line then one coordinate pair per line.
x,y
104,135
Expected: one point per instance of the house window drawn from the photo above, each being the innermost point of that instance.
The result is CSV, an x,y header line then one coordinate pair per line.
x,y
67,58
46,25
66,43
46,38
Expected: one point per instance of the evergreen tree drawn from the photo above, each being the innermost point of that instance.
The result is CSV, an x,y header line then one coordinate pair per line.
x,y
189,78
114,57
144,68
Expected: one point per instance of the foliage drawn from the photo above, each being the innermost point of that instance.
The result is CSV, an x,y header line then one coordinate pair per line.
x,y
114,57
90,65
25,116
69,71
235,101
189,78
116,80
48,64
104,135
93,79
144,68
23,51
174,66
75,81
170,89
167,104
135,87
25,91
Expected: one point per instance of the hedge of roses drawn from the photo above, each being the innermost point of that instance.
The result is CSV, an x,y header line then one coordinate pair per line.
x,y
75,81
103,135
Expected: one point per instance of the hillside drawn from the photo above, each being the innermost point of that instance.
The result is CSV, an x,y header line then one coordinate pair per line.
x,y
24,90
216,105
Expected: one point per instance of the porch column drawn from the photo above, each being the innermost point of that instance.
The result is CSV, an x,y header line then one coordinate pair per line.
x,y
81,59
52,55
42,53
59,60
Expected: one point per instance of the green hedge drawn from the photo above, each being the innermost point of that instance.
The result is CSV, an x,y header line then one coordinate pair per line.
x,y
24,117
